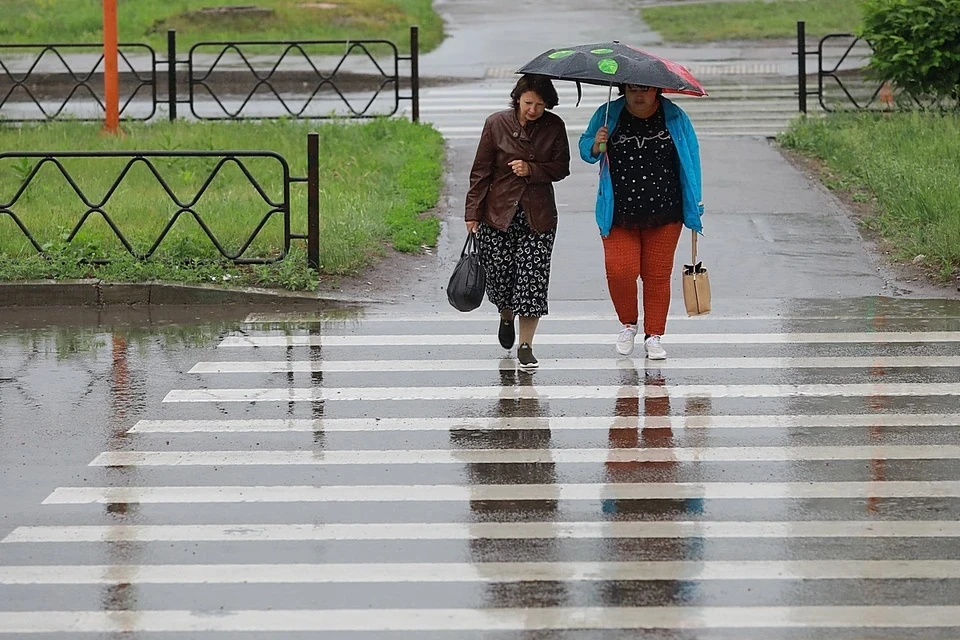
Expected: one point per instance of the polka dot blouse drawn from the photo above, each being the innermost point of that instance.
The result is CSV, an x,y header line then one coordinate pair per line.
x,y
646,172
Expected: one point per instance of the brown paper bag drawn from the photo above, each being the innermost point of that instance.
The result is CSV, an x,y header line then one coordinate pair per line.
x,y
696,285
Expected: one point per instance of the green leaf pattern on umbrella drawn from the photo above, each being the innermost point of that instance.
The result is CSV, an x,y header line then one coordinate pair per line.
x,y
608,66
560,55
601,52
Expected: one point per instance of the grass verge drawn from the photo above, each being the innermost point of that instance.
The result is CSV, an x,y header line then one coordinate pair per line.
x,y
907,165
377,180
29,21
753,20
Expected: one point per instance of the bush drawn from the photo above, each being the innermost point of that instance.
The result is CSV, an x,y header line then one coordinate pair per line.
x,y
916,45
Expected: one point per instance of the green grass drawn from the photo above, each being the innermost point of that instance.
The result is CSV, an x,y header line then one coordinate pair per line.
x,y
909,163
28,21
753,20
376,179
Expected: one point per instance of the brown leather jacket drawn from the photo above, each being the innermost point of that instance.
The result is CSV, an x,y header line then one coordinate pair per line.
x,y
495,191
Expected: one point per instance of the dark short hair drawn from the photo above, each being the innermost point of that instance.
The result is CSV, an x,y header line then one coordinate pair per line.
x,y
622,88
541,85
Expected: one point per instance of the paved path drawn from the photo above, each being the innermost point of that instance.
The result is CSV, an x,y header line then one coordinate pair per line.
x,y
781,475
770,231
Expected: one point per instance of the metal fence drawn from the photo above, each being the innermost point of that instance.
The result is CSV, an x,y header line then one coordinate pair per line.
x,y
34,82
90,207
288,76
842,83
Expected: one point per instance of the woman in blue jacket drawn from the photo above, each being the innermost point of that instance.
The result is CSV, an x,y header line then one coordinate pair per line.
x,y
649,190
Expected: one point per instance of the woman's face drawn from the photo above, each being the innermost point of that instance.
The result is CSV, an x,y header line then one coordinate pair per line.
x,y
531,105
641,99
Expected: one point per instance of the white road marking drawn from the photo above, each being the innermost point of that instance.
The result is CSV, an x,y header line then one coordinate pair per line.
x,y
484,530
572,364
562,392
533,619
460,493
562,423
852,337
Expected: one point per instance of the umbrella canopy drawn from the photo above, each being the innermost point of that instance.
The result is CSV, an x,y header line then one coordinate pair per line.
x,y
614,63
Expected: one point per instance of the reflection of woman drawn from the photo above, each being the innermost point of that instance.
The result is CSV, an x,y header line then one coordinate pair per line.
x,y
485,550
511,207
649,189
643,426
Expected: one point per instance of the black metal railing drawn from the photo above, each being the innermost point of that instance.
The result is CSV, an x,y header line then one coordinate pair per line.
x,y
72,82
204,96
856,91
852,88
833,72
264,81
184,207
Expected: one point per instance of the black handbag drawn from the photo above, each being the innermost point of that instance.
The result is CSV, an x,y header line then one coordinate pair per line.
x,y
468,281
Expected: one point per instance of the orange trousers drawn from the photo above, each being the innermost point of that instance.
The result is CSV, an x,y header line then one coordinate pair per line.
x,y
646,254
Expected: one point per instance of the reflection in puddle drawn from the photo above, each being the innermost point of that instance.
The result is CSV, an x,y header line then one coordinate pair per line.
x,y
538,436
641,421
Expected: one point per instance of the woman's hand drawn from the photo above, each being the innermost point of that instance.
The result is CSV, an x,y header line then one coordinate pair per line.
x,y
520,168
600,139
472,226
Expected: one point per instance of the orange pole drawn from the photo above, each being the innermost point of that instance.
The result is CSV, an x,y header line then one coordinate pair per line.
x,y
111,79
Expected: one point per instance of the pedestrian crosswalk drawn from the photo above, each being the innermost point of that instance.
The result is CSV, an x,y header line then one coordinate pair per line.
x,y
756,109
392,475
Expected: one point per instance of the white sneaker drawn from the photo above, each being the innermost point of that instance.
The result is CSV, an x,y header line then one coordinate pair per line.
x,y
625,340
653,348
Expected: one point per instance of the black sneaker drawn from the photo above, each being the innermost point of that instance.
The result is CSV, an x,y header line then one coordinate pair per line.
x,y
526,358
506,333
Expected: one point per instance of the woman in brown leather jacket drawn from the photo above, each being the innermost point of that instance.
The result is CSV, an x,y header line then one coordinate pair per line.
x,y
511,207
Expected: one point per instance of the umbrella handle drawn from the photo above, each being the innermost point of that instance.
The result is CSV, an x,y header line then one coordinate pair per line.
x,y
606,117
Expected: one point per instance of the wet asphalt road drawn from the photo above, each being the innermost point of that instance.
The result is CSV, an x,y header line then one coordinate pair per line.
x,y
791,474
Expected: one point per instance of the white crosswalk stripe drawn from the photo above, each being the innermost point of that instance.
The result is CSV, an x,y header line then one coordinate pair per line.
x,y
480,572
756,109
441,493
484,530
493,619
579,364
521,456
382,478
592,338
396,394
340,425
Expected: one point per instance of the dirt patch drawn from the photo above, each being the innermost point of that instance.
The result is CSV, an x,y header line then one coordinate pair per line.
x,y
236,10
405,277
360,14
394,277
906,273
243,18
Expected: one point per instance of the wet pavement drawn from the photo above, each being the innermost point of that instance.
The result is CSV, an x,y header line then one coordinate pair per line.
x,y
387,472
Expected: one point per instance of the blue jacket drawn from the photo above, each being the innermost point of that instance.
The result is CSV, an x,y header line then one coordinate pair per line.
x,y
684,138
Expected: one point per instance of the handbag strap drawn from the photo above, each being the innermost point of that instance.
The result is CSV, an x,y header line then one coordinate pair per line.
x,y
693,235
470,245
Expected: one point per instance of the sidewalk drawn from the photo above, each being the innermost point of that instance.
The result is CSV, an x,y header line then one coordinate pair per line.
x,y
771,232
492,38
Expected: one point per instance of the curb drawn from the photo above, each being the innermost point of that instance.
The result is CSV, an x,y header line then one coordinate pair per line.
x,y
100,294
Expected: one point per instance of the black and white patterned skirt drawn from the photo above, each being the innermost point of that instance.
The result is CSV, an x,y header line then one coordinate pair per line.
x,y
517,266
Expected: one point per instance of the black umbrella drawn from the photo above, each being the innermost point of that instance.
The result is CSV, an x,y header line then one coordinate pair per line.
x,y
613,63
